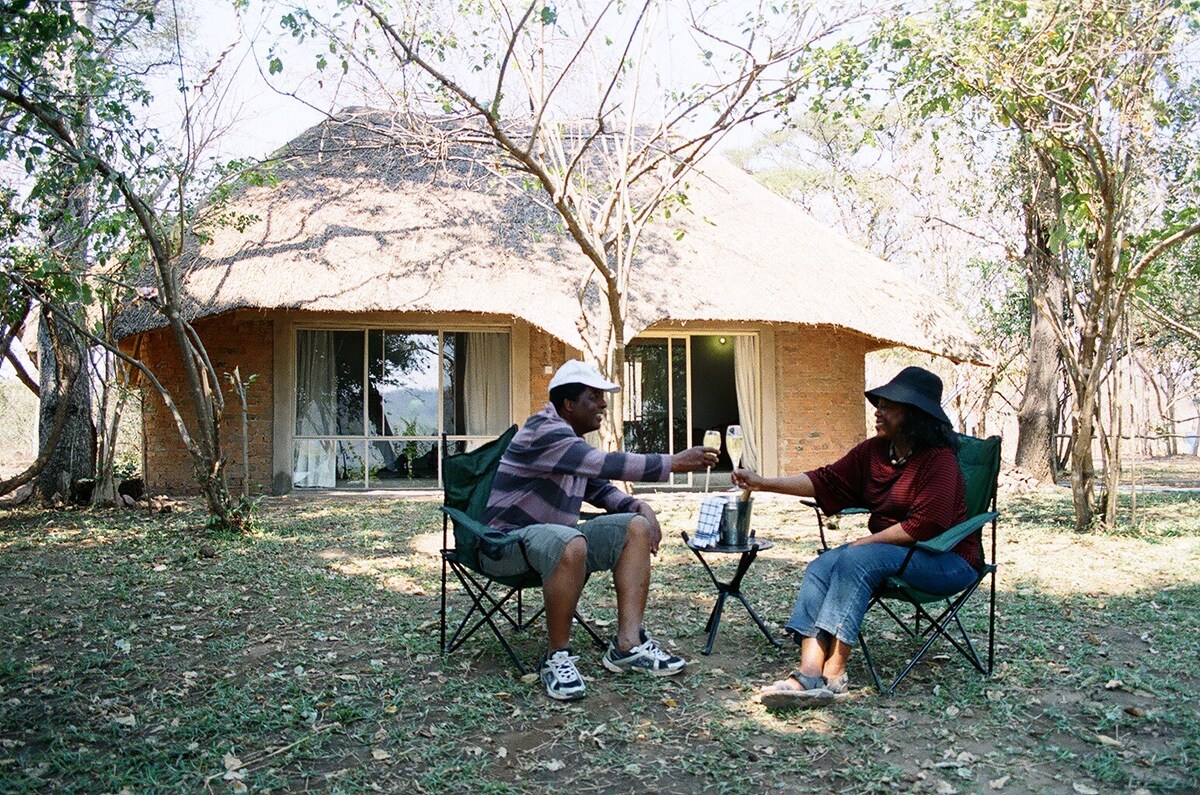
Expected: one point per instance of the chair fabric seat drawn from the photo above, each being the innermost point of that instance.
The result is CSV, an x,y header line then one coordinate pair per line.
x,y
897,589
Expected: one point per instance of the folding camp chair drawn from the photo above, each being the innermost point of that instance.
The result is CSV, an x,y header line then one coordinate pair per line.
x,y
979,460
467,483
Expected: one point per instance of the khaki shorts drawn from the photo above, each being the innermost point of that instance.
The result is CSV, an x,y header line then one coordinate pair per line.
x,y
544,544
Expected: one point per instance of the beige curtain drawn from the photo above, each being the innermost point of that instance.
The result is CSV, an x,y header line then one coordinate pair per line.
x,y
745,376
316,410
486,384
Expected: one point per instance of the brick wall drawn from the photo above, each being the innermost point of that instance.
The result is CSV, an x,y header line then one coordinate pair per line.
x,y
543,350
820,410
241,339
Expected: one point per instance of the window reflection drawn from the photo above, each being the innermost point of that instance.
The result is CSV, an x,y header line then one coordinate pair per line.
x,y
371,405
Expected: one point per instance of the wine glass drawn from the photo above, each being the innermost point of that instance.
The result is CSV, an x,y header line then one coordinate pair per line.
x,y
733,444
712,439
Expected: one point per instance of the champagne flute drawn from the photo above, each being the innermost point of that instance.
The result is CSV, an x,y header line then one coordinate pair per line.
x,y
712,439
734,445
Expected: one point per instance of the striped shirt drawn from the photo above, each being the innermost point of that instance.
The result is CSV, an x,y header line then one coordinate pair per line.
x,y
924,496
548,471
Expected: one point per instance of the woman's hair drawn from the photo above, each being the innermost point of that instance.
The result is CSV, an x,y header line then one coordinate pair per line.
x,y
924,432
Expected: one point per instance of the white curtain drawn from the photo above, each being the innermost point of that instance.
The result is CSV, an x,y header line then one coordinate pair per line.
x,y
745,376
316,409
485,384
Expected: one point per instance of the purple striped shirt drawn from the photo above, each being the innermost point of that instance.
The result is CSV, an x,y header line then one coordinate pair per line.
x,y
548,471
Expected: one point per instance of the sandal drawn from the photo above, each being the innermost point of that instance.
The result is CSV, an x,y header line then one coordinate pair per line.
x,y
814,691
806,682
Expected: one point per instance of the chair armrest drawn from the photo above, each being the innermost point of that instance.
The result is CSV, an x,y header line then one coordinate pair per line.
x,y
947,540
488,540
844,512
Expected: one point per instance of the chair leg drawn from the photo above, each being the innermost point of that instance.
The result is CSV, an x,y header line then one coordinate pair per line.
x,y
992,625
862,644
443,612
596,639
937,627
478,595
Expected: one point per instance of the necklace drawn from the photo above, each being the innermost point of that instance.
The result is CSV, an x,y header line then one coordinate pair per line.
x,y
897,460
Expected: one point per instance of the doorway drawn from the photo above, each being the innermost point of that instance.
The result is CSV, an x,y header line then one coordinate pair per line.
x,y
678,387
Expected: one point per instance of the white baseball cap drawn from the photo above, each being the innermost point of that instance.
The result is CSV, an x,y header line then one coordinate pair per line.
x,y
577,372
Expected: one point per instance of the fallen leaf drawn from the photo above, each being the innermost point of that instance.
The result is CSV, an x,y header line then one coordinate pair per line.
x,y
1084,789
501,752
378,754
1114,684
529,678
231,762
554,765
126,720
998,783
1104,739
670,703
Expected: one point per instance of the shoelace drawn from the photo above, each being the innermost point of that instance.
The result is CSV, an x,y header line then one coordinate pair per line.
x,y
652,649
563,666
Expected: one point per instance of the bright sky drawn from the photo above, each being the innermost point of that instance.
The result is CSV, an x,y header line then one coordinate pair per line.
x,y
265,117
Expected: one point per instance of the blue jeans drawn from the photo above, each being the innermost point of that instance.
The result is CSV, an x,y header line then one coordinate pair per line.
x,y
837,586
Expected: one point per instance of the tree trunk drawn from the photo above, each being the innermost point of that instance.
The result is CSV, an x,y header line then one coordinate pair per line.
x,y
1037,418
64,353
1083,467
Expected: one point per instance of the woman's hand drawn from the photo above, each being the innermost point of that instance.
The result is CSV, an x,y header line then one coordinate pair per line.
x,y
747,479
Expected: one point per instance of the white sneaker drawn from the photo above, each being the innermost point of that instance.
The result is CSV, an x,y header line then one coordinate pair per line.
x,y
647,657
561,677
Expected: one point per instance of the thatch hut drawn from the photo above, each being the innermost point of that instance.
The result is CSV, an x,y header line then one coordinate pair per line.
x,y
385,298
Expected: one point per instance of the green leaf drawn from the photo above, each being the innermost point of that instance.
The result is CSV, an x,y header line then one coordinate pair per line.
x,y
549,15
275,65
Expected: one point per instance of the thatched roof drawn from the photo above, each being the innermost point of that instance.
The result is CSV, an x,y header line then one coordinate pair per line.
x,y
356,224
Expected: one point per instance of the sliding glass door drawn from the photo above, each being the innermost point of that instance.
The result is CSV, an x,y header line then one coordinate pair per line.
x,y
372,404
656,417
679,386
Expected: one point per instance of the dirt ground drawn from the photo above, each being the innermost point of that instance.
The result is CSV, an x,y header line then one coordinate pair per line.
x,y
144,654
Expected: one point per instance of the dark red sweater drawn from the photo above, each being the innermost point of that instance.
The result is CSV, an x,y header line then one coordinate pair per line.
x,y
924,496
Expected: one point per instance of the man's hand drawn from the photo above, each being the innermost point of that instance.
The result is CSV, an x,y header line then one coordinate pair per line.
x,y
694,459
655,530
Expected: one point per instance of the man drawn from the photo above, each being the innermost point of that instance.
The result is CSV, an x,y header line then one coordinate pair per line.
x,y
545,474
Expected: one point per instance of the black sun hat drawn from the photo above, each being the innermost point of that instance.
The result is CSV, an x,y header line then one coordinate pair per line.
x,y
913,386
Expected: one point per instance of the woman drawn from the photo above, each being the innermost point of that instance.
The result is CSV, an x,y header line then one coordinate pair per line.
x,y
908,476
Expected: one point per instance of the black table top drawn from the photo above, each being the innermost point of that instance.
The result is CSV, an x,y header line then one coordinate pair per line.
x,y
761,543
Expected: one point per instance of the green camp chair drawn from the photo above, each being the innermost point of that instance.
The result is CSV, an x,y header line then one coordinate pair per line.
x,y
467,484
979,460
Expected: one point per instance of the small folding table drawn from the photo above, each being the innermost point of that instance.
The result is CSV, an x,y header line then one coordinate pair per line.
x,y
732,588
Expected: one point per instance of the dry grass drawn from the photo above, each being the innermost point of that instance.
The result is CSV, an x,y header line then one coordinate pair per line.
x,y
145,657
